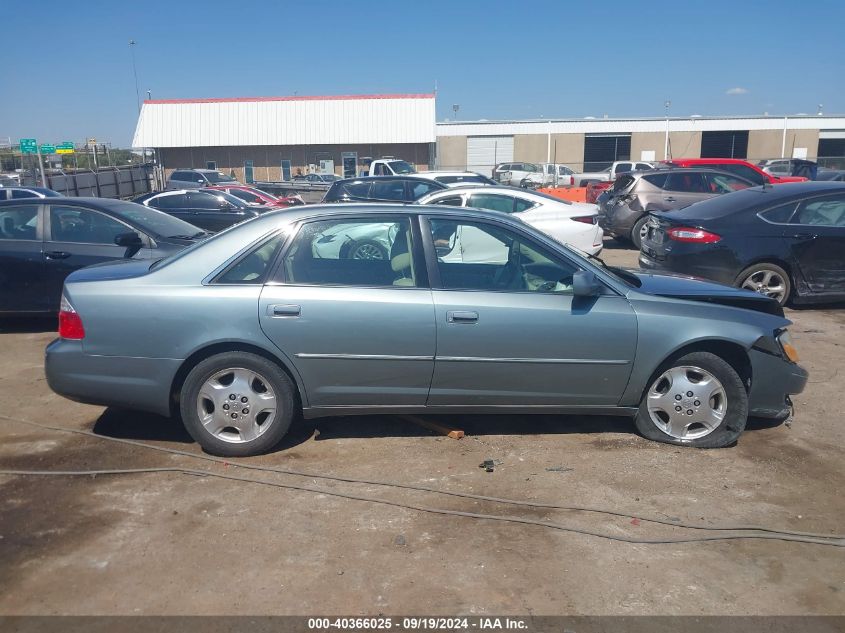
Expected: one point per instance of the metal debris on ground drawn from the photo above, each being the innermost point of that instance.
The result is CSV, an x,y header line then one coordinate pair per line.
x,y
558,469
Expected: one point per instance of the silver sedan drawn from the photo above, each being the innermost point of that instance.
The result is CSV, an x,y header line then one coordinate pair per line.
x,y
464,311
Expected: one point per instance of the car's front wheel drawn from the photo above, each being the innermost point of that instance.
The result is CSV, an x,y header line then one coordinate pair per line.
x,y
696,400
237,404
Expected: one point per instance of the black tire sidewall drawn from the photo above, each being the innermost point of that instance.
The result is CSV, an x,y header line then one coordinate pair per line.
x,y
735,419
766,266
279,380
635,232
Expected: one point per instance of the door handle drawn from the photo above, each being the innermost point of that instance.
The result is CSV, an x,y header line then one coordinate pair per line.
x,y
458,316
669,199
56,254
284,310
805,236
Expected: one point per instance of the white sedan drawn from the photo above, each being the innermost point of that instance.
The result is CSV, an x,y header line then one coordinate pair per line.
x,y
573,223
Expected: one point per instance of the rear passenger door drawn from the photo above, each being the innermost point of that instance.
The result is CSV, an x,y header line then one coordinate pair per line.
x,y
351,307
817,236
21,260
682,188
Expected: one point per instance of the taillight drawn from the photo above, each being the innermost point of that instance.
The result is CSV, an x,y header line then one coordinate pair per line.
x,y
587,219
70,324
688,234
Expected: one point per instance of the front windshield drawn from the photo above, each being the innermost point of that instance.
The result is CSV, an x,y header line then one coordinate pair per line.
x,y
152,221
218,177
402,167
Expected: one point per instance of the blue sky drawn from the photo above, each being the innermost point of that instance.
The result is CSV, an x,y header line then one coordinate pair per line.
x,y
67,73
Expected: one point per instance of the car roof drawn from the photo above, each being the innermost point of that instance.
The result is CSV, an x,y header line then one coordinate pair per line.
x,y
382,179
667,169
473,187
706,161
434,172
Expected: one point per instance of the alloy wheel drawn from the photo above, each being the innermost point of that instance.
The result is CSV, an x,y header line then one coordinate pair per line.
x,y
367,251
766,282
687,402
236,405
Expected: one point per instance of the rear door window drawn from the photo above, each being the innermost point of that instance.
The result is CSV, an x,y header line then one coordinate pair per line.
x,y
419,189
623,167
828,211
389,190
685,182
175,201
724,183
492,202
19,223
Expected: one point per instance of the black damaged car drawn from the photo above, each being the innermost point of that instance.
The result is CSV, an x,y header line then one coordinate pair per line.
x,y
786,241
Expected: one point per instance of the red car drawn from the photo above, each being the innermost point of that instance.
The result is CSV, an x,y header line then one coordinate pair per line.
x,y
256,197
595,189
735,166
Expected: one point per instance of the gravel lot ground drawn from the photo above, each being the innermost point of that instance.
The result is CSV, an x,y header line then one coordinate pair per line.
x,y
179,544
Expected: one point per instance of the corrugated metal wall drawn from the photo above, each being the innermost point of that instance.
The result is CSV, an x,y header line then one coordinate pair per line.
x,y
403,119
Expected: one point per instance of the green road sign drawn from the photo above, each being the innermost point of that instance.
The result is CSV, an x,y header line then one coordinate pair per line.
x,y
48,149
64,148
29,146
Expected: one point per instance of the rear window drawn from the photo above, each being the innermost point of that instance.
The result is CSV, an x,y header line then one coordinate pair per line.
x,y
658,180
622,183
447,180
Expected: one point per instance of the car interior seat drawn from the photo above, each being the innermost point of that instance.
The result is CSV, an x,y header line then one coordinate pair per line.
x,y
401,261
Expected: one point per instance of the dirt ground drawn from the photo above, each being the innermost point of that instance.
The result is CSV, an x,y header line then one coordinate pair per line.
x,y
179,544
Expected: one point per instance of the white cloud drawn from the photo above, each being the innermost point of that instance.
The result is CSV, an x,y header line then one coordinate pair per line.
x,y
736,91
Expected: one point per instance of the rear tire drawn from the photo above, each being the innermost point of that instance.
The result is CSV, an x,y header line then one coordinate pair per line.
x,y
767,279
637,232
714,415
237,404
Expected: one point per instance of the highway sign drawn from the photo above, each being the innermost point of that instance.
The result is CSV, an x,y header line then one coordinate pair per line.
x,y
29,146
64,148
48,149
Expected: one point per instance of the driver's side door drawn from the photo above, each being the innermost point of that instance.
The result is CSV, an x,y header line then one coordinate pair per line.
x,y
510,333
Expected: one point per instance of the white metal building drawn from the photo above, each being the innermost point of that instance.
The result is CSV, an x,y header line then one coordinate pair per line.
x,y
271,137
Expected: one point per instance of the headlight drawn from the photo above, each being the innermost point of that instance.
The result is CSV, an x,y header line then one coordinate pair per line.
x,y
785,342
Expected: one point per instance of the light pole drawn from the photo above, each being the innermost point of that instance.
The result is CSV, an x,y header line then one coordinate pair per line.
x,y
135,74
666,105
455,108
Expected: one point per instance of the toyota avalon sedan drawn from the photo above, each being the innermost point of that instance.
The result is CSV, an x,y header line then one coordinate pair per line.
x,y
471,311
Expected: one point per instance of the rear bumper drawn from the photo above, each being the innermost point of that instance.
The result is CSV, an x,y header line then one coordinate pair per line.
x,y
132,383
705,263
773,381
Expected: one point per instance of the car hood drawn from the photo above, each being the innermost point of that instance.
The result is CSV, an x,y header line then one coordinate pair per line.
x,y
694,289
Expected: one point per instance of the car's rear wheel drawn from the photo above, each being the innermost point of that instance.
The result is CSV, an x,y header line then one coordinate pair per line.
x,y
696,400
237,404
638,232
767,279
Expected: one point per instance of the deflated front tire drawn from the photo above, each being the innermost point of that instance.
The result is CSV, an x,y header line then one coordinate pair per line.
x,y
696,400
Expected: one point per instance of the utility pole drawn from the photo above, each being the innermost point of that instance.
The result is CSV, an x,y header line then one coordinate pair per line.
x,y
666,105
135,73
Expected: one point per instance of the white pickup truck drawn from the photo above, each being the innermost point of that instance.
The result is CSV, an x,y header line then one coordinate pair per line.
x,y
617,168
390,167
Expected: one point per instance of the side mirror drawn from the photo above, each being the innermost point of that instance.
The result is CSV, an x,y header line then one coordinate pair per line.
x,y
585,284
131,241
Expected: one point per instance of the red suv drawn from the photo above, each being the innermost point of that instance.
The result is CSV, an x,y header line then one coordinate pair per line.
x,y
735,166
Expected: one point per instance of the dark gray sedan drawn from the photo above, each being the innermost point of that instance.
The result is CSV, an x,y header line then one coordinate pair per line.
x,y
462,311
